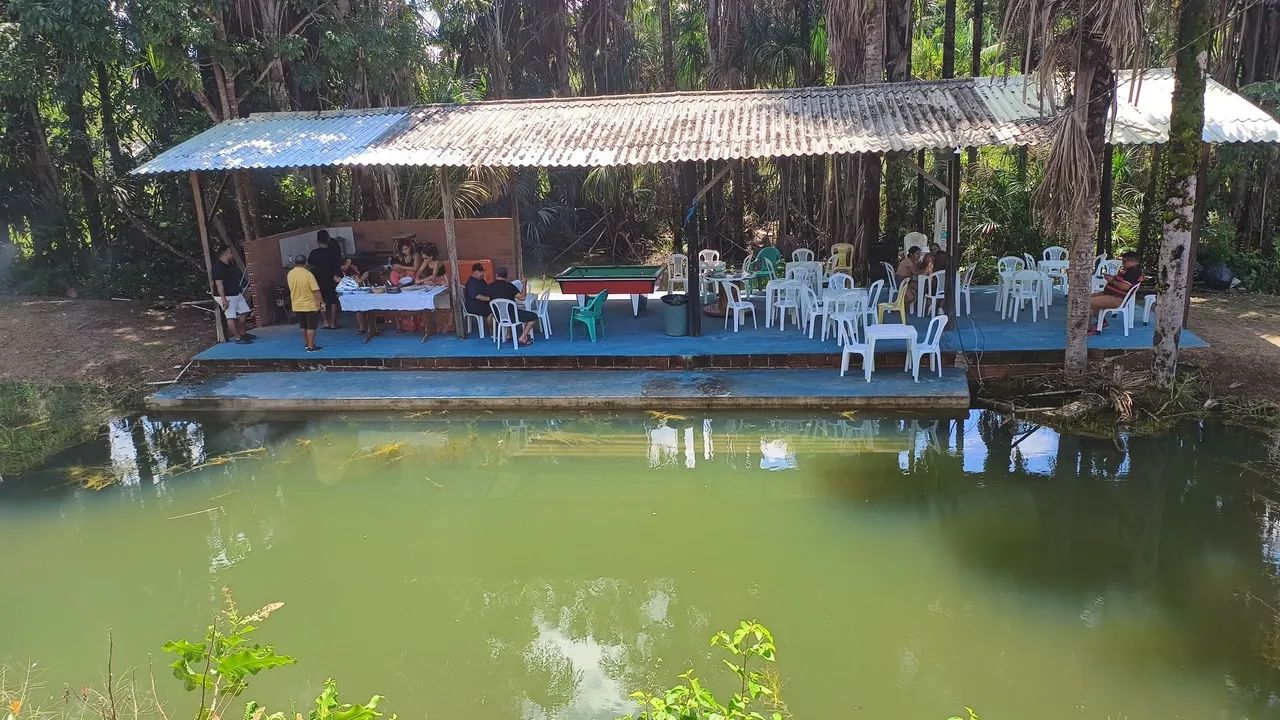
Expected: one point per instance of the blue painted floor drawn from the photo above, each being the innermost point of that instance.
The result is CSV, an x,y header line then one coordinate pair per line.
x,y
481,389
628,336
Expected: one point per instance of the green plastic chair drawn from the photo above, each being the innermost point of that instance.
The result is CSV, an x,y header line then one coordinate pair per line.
x,y
591,315
765,269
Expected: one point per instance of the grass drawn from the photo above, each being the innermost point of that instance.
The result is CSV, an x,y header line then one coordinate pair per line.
x,y
40,419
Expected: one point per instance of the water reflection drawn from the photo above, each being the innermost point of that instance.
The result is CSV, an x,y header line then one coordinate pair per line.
x,y
569,560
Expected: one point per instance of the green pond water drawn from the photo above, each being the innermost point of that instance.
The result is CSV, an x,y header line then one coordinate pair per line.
x,y
545,567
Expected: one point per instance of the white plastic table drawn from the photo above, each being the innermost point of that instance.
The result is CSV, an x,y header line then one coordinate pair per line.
x,y
887,331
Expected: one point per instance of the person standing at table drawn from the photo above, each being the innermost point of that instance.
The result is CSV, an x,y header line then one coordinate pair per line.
x,y
326,263
304,295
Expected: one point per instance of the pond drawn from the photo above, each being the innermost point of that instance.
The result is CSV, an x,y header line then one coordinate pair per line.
x,y
546,566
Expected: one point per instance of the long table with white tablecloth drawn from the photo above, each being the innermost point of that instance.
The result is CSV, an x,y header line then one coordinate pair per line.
x,y
378,305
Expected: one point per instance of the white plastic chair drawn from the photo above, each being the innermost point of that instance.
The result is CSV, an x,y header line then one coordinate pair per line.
x,y
1125,311
708,256
677,272
816,310
1097,264
890,277
802,255
1055,253
857,348
1148,304
467,317
1005,268
847,313
915,239
1025,285
840,281
930,345
1110,267
504,318
873,302
786,297
1031,262
542,308
964,283
934,290
737,306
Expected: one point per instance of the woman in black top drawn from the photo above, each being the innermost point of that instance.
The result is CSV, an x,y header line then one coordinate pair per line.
x,y
431,271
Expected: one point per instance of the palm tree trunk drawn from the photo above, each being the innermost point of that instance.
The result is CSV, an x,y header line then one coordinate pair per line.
x,y
1186,127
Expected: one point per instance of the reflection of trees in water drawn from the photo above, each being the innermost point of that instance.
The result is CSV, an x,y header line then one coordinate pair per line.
x,y
571,648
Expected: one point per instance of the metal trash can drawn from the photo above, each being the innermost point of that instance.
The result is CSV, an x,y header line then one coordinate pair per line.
x,y
675,315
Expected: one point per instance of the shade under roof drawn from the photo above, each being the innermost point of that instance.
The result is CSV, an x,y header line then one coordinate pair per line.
x,y
675,127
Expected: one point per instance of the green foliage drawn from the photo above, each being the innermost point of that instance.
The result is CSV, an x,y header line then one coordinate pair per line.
x,y
39,419
221,663
757,692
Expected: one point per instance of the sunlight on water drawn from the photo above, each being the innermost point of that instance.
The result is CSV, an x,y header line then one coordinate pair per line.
x,y
546,566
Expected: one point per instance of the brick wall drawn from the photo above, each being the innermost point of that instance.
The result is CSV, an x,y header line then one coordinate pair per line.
x,y
478,239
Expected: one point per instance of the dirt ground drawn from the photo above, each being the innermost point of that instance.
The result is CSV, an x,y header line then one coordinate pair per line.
x,y
58,338
1243,332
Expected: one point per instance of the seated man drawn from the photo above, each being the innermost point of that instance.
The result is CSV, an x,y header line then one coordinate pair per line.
x,y
473,292
1117,286
504,289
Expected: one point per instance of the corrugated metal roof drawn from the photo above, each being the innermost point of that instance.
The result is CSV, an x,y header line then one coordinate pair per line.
x,y
672,127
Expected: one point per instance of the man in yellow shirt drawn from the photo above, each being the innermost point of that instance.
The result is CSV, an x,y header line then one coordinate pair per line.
x,y
304,294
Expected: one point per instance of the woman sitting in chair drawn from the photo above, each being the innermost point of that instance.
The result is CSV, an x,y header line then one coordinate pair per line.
x,y
911,265
1118,285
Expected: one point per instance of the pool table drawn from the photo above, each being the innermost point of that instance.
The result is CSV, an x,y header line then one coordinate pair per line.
x,y
633,280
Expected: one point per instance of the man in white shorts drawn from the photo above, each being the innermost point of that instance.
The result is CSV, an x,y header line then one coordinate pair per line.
x,y
229,283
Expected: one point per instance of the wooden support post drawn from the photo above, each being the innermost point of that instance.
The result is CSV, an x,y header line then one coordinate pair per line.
x,y
451,247
203,230
953,239
689,172
1106,220
517,239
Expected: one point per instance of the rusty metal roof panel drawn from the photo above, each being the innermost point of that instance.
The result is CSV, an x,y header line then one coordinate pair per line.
x,y
673,127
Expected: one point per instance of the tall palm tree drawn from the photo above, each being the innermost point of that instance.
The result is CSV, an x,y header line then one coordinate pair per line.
x,y
1074,47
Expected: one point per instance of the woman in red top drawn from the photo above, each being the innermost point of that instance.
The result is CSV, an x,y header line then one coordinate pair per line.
x,y
1118,285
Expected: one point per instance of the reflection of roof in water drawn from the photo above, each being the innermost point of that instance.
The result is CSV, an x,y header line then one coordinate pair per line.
x,y
636,443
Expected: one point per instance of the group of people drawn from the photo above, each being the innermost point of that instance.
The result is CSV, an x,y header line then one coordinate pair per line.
x,y
917,262
478,293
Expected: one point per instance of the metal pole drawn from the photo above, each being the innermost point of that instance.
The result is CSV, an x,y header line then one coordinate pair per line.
x,y
203,230
953,238
517,240
689,172
451,247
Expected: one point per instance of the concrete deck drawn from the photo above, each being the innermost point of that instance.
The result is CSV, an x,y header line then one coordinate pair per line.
x,y
629,339
473,390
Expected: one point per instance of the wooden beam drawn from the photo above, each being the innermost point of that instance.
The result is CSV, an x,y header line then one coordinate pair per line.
x,y
451,247
931,179
203,230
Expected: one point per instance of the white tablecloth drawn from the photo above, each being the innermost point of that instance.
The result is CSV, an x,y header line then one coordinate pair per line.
x,y
414,301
